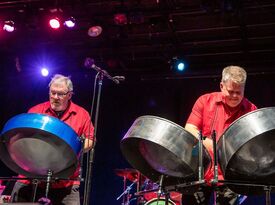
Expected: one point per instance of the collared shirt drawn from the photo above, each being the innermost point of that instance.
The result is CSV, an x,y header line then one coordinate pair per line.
x,y
210,112
78,119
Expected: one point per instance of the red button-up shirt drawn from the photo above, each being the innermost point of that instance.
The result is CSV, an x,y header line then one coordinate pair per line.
x,y
210,112
78,119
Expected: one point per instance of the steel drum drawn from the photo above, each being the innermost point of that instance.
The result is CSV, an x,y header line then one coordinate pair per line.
x,y
31,144
246,150
156,146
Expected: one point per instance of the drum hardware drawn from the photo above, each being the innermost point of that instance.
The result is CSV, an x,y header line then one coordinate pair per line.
x,y
214,181
34,189
49,176
132,175
127,193
266,188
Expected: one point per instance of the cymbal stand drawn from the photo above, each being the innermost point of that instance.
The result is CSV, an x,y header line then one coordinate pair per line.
x,y
126,191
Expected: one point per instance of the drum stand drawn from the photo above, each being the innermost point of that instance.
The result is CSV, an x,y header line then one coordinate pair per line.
x,y
126,192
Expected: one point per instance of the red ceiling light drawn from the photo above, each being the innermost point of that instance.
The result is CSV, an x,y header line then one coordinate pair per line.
x,y
120,19
8,26
54,23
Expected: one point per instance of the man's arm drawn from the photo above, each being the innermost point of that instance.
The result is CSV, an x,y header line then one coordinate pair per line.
x,y
208,143
88,143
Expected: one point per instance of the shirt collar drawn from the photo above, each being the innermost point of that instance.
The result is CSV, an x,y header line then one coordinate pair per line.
x,y
71,108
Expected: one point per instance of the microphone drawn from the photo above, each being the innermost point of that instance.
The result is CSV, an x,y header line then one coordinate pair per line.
x,y
90,63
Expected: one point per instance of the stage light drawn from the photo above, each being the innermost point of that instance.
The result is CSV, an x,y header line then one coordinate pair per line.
x,y
8,26
54,23
70,22
120,19
44,72
180,66
94,31
177,64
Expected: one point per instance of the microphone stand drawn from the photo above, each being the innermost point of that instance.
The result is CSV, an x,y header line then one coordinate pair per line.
x,y
87,190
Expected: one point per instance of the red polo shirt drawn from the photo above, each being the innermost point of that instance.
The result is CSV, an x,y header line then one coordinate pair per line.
x,y
210,112
78,119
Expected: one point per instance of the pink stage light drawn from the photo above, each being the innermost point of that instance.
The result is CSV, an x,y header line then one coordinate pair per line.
x,y
54,23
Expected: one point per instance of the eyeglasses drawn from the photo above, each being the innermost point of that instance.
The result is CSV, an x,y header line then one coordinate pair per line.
x,y
59,94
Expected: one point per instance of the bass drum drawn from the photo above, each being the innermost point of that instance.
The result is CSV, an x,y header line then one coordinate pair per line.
x,y
156,146
246,151
149,194
160,201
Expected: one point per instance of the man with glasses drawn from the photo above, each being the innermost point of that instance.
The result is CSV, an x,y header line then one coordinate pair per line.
x,y
216,111
60,105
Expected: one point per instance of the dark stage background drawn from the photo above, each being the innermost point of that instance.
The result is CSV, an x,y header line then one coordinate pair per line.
x,y
170,98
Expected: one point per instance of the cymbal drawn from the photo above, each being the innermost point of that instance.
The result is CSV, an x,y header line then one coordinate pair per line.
x,y
130,174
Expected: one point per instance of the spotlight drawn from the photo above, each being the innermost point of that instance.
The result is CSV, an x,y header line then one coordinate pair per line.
x,y
54,23
180,66
120,19
9,26
70,22
44,72
177,64
94,31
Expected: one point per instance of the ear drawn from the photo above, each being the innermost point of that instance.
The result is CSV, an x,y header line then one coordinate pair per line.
x,y
70,95
221,86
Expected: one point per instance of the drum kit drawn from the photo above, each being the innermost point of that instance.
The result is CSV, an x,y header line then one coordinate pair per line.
x,y
174,159
146,190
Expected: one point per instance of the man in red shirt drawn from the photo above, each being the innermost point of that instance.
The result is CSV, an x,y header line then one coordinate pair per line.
x,y
216,111
60,106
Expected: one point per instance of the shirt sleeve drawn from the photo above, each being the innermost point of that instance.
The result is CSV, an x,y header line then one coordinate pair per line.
x,y
88,128
196,116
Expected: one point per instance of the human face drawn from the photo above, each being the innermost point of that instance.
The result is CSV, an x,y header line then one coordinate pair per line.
x,y
232,92
59,96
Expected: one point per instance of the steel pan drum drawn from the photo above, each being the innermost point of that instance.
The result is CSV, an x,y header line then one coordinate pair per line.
x,y
246,150
156,146
31,144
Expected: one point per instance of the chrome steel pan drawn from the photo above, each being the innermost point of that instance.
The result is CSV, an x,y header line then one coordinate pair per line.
x,y
31,144
246,150
156,146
